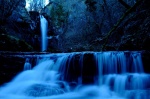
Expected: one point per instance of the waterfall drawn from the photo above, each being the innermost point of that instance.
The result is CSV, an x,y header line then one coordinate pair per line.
x,y
27,65
44,28
87,75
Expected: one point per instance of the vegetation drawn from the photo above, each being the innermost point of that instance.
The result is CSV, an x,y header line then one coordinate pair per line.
x,y
77,25
58,16
11,43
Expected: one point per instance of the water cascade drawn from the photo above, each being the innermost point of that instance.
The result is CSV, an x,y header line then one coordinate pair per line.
x,y
27,65
86,75
44,28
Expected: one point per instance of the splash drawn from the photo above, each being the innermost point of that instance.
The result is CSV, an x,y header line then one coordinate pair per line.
x,y
87,75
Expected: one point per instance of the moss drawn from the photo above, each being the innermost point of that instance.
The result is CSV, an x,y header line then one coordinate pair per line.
x,y
59,15
11,43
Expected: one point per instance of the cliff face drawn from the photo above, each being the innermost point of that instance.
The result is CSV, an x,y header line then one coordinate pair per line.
x,y
134,32
15,28
104,25
81,25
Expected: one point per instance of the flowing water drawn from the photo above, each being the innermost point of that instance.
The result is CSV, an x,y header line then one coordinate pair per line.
x,y
82,75
27,65
44,28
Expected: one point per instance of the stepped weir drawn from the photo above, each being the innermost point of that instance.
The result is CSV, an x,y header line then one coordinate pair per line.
x,y
88,75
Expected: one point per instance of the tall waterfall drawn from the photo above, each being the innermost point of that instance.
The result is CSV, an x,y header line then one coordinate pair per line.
x,y
86,75
44,28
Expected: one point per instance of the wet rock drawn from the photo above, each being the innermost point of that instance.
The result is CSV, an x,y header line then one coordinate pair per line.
x,y
146,59
10,66
35,21
80,68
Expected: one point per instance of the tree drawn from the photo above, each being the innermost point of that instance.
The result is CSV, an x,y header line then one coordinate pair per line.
x,y
36,5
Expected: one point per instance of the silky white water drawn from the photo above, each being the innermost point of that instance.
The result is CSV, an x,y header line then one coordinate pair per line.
x,y
120,76
44,28
27,65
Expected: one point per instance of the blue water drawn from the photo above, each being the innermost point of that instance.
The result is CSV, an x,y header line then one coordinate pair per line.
x,y
44,29
81,75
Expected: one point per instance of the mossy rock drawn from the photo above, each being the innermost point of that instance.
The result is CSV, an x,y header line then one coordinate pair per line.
x,y
56,13
11,43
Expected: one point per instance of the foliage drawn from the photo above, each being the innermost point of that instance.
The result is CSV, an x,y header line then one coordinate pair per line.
x,y
58,16
11,43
